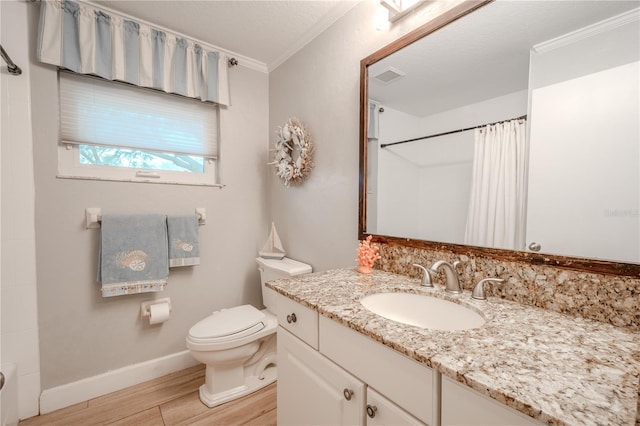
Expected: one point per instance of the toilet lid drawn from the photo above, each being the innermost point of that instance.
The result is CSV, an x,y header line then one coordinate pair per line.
x,y
227,322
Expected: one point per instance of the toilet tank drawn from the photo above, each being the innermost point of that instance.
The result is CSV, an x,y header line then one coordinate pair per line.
x,y
273,269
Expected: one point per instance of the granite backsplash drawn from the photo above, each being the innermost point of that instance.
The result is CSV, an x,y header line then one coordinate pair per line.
x,y
607,298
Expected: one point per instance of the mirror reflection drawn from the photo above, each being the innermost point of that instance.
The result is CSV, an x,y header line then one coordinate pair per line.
x,y
514,127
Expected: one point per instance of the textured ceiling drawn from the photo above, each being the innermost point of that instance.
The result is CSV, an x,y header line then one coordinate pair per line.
x,y
265,31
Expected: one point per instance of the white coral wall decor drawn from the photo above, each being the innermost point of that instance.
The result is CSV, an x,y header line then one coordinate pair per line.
x,y
293,157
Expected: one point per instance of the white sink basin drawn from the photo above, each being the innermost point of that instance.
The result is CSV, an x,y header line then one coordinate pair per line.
x,y
422,311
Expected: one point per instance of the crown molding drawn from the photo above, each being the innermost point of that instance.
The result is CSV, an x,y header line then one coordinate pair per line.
x,y
245,61
608,24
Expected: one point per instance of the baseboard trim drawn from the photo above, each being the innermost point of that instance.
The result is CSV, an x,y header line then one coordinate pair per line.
x,y
102,384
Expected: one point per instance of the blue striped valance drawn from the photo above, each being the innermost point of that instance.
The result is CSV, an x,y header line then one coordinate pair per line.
x,y
86,40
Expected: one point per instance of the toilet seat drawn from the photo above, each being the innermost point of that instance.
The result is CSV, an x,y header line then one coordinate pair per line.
x,y
229,328
229,324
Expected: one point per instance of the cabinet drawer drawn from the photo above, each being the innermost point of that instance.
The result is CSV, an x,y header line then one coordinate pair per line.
x,y
407,383
299,320
478,408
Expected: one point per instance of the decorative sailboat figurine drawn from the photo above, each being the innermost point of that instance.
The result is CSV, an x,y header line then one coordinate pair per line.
x,y
273,247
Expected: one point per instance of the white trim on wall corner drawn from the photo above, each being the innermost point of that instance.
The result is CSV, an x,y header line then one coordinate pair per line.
x,y
252,64
111,381
608,24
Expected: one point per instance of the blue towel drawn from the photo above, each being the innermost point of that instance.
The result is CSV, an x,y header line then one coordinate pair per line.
x,y
184,245
133,254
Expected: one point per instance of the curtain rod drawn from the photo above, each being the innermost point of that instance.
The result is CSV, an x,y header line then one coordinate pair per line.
x,y
384,145
13,68
231,62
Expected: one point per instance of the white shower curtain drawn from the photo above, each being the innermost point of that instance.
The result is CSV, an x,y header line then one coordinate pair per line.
x,y
496,208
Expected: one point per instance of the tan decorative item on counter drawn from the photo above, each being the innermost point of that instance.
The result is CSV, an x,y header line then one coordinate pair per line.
x,y
273,247
293,153
367,256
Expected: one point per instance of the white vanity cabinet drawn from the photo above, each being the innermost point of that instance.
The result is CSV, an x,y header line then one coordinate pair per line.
x,y
463,406
332,375
315,387
312,389
413,387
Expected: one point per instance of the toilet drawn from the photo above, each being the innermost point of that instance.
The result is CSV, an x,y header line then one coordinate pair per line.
x,y
238,345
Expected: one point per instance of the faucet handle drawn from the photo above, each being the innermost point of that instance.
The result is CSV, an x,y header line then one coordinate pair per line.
x,y
478,290
426,276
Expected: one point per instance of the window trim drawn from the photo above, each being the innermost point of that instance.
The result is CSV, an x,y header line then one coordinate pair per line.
x,y
69,167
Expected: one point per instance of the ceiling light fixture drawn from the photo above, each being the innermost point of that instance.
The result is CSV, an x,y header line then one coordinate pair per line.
x,y
399,8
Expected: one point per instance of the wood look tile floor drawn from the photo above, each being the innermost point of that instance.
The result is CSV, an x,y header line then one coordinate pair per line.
x,y
170,400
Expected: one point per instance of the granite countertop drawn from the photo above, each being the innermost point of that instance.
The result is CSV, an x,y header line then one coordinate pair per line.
x,y
558,369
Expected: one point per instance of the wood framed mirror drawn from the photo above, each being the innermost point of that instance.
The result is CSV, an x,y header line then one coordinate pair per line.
x,y
604,230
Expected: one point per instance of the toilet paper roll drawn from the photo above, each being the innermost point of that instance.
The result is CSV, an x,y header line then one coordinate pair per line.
x,y
158,313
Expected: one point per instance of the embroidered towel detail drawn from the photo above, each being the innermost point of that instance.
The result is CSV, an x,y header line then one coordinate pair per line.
x,y
133,254
184,245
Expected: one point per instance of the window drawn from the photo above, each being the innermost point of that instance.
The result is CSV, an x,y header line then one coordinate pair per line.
x,y
116,131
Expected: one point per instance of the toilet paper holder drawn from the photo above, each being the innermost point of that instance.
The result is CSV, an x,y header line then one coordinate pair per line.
x,y
145,307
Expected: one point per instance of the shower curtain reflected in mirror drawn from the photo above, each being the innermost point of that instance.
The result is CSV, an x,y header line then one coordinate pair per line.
x,y
496,215
373,134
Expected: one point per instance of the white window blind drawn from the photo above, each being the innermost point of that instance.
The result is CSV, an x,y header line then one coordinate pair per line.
x,y
94,111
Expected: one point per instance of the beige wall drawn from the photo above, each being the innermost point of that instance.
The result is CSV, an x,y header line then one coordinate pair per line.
x,y
320,85
83,334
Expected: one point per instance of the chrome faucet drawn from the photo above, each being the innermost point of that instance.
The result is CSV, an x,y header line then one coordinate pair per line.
x,y
427,278
452,284
478,290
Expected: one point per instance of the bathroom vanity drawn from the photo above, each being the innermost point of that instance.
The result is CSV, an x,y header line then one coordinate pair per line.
x,y
339,363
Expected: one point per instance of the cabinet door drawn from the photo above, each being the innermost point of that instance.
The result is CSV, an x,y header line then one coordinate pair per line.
x,y
382,412
312,389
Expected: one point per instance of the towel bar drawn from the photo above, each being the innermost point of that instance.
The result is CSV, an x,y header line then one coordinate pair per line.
x,y
93,216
